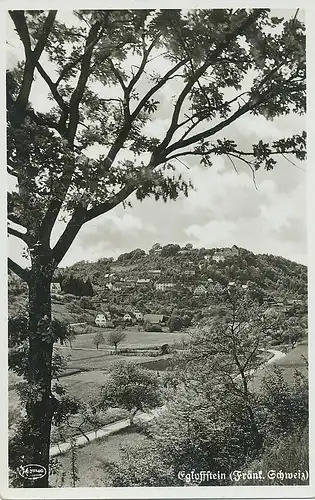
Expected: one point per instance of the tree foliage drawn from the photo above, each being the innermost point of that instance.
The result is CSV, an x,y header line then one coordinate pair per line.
x,y
175,323
77,286
132,388
115,337
98,339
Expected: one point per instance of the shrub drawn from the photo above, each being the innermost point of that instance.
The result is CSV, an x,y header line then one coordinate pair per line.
x,y
149,327
86,303
175,323
291,453
68,297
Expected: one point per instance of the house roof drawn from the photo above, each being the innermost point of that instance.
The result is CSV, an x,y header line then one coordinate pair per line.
x,y
153,318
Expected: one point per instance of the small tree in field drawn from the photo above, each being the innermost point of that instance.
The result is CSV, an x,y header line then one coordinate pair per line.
x,y
132,388
115,337
98,339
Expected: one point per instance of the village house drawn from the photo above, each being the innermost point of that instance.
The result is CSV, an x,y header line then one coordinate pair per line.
x,y
208,257
220,255
162,287
127,285
138,315
217,257
116,288
154,319
143,281
100,320
154,272
200,290
189,272
129,317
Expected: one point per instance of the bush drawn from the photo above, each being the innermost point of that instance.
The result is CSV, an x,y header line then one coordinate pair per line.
x,y
149,327
289,454
86,303
175,323
186,320
69,297
285,404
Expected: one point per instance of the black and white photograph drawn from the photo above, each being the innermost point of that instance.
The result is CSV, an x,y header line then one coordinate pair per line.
x,y
157,257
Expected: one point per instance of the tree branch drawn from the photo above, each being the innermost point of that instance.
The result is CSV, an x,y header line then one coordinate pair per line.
x,y
156,87
118,75
18,234
82,80
102,208
73,227
24,274
31,56
53,88
211,58
144,61
14,219
208,133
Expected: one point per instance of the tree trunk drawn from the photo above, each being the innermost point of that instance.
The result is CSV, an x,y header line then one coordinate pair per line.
x,y
40,403
116,352
132,416
257,438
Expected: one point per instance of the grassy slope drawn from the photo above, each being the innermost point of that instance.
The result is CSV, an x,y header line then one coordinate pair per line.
x,y
60,311
91,460
288,364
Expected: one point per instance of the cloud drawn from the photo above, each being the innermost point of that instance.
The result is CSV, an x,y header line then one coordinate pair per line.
x,y
261,128
128,222
213,234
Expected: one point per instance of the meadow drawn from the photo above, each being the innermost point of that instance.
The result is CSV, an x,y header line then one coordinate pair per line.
x,y
92,460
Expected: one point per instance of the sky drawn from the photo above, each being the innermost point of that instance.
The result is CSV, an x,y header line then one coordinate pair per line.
x,y
225,208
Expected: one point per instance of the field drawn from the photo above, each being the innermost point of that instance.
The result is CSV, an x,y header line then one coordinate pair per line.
x,y
134,338
87,368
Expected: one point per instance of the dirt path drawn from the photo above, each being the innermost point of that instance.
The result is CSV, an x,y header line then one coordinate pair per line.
x,y
107,430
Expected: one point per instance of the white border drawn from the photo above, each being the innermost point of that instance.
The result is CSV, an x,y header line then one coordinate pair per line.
x,y
174,492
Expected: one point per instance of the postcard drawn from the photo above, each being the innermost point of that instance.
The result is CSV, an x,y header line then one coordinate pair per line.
x,y
158,277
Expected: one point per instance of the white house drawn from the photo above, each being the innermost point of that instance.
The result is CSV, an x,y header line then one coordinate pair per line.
x,y
143,281
138,315
127,317
200,290
100,320
218,258
189,272
162,287
154,272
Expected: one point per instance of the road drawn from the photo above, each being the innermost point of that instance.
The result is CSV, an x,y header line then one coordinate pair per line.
x,y
109,429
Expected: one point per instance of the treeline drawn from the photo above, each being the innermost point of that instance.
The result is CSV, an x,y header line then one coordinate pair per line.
x,y
277,275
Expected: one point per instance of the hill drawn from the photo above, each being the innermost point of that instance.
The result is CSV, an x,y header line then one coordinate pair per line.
x,y
277,278
174,281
